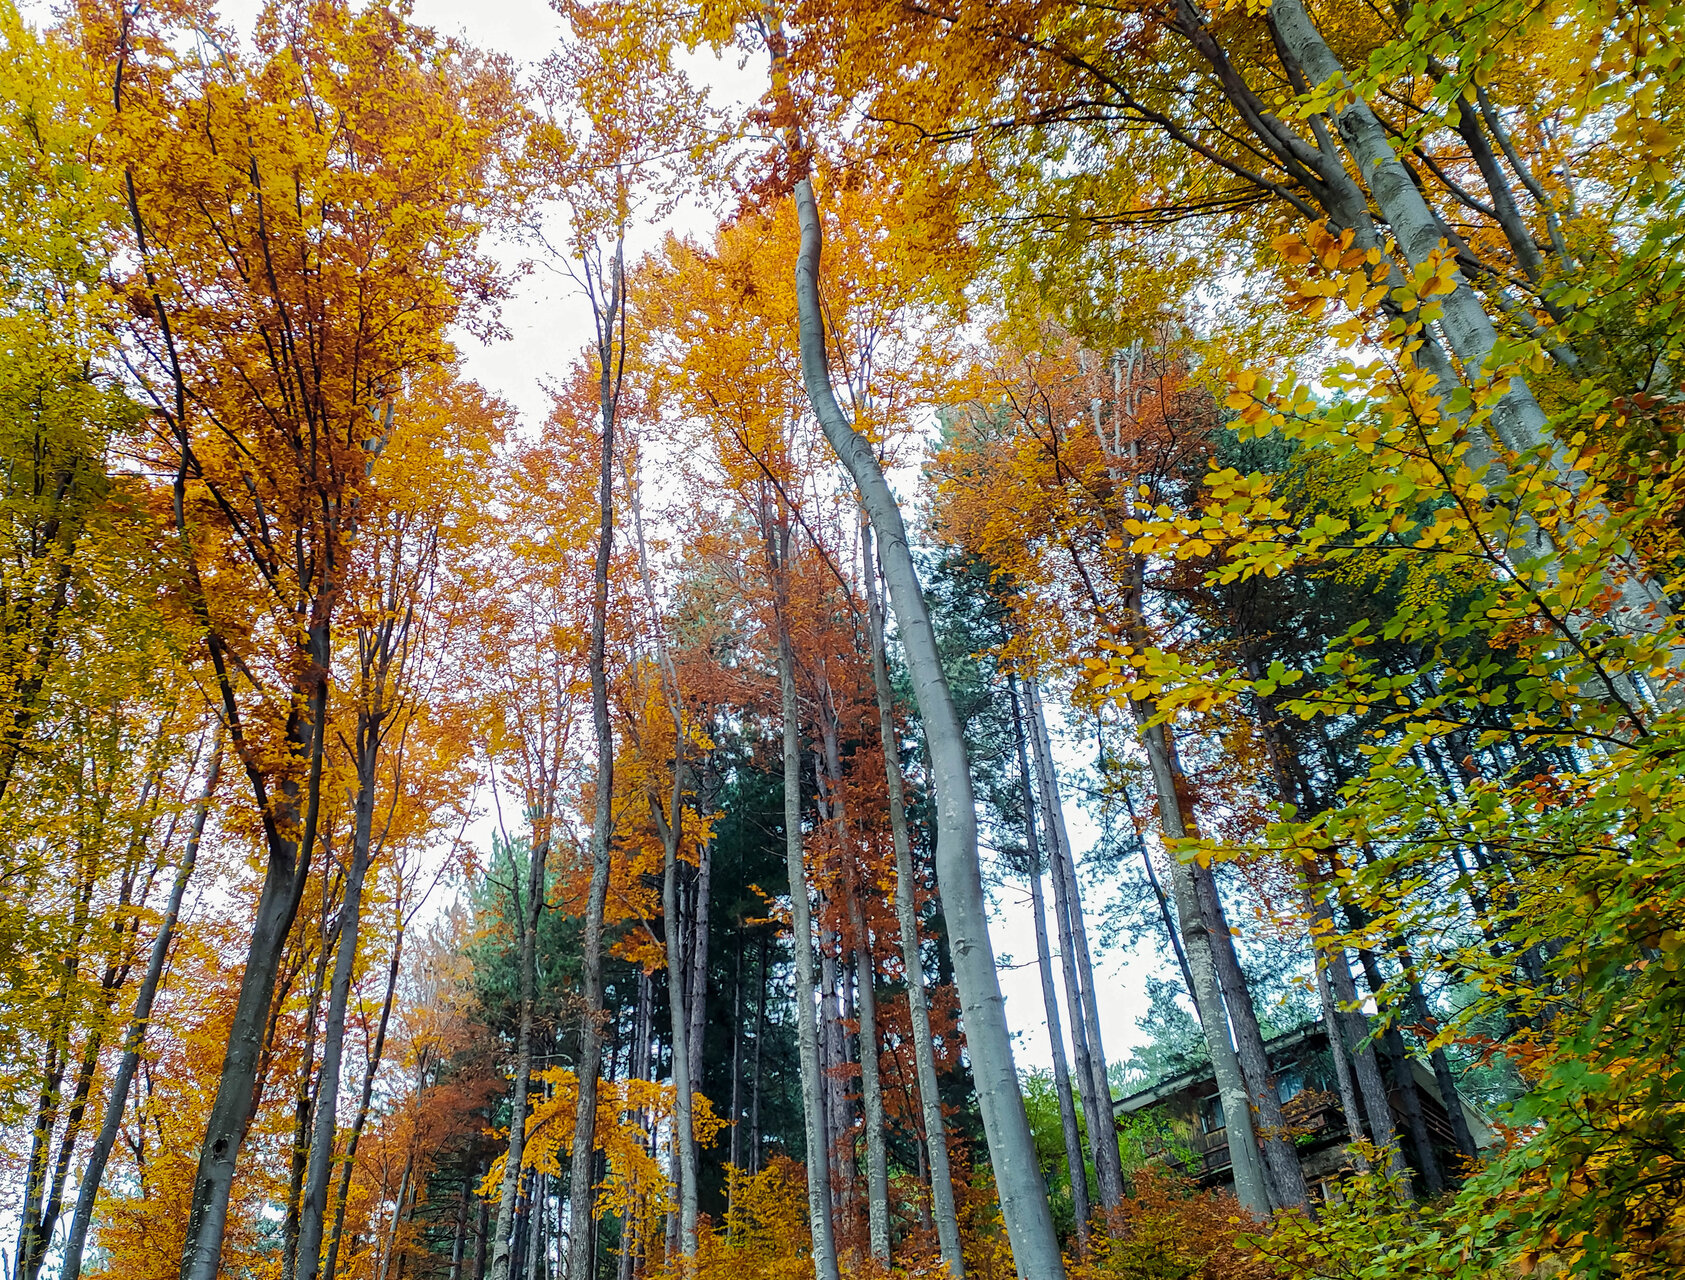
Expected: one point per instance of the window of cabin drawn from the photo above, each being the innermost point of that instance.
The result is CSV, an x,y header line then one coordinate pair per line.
x,y
1210,1114
1289,1083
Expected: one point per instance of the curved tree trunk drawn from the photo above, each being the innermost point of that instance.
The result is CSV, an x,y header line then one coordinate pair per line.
x,y
287,870
1023,1195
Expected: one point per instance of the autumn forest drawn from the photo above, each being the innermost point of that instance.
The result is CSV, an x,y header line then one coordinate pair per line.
x,y
1046,507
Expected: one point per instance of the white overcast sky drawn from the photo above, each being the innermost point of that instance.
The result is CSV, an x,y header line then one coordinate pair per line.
x,y
549,326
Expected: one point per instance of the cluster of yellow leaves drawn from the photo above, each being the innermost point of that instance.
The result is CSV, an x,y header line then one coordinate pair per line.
x,y
633,1115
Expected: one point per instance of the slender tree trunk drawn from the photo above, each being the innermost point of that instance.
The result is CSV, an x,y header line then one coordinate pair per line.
x,y
1087,1048
906,912
1074,1162
348,1163
755,1067
1281,1164
1207,994
529,913
1354,1030
871,1084
581,1185
697,1000
118,1099
683,1135
807,1028
460,1237
482,1228
736,1142
1336,1041
287,870
313,1208
303,1099
1023,1195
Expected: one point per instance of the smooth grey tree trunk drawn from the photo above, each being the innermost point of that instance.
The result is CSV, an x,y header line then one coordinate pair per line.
x,y
1207,994
1286,1180
1079,967
1518,421
801,950
906,913
1354,1031
1075,1166
118,1099
683,1133
697,1000
1023,1194
1336,1041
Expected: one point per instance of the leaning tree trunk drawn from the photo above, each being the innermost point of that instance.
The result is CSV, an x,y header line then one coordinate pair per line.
x,y
1207,995
1519,423
349,1159
906,912
71,1268
1023,1195
1286,1179
287,869
581,1184
801,922
1074,1163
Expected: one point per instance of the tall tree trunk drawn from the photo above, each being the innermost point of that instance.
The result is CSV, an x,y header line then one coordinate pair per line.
x,y
1517,419
697,999
755,1066
118,1099
482,1228
1074,1162
1087,1047
303,1098
1336,1040
581,1185
1207,994
1354,1031
906,913
287,870
314,1205
683,1135
1281,1162
735,1159
528,913
871,1085
1023,1195
348,1161
460,1237
801,949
